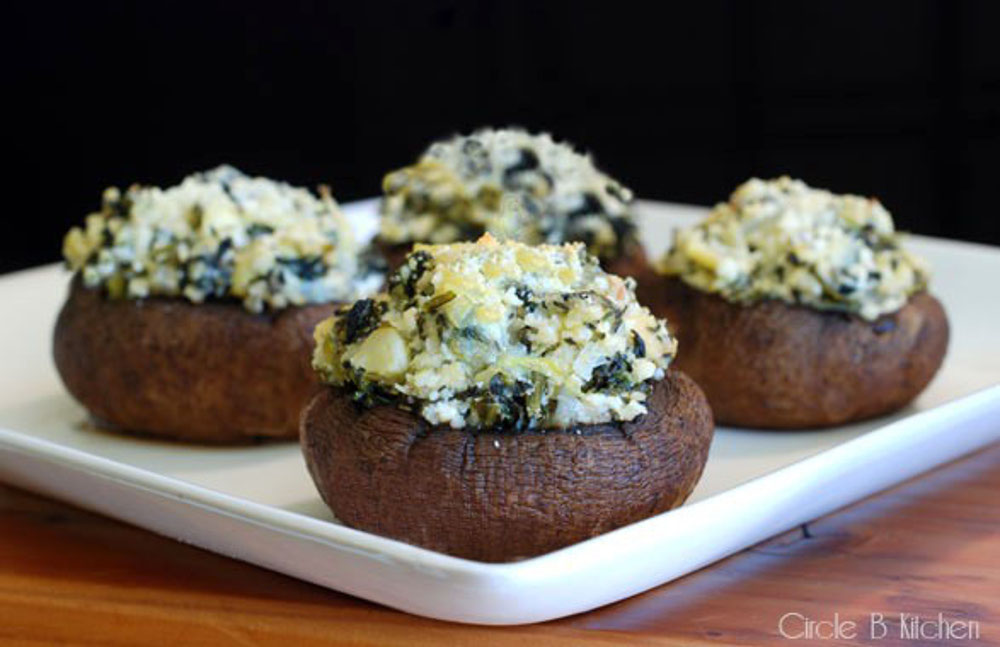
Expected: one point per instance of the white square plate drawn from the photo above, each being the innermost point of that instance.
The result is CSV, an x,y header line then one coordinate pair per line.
x,y
259,505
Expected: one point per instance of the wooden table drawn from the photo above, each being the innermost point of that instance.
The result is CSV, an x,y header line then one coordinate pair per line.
x,y
930,545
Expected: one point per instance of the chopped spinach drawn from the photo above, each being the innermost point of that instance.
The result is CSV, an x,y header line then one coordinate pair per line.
x,y
524,336
409,273
638,345
307,268
257,229
477,158
361,320
612,376
471,332
589,204
527,162
368,393
513,405
845,289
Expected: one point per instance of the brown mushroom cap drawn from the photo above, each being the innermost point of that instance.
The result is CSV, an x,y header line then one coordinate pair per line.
x,y
495,496
634,263
775,365
210,372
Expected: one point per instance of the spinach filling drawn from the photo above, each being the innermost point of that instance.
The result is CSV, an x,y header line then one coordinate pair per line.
x,y
221,236
464,186
499,336
361,319
612,376
511,404
404,280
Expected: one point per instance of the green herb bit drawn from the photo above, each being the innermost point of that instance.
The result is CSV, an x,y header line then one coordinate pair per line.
x,y
361,320
439,300
613,376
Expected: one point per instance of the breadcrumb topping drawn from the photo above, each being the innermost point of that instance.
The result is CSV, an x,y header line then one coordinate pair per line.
x,y
222,235
781,239
511,184
499,335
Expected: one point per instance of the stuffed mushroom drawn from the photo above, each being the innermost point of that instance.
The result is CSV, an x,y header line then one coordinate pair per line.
x,y
513,185
797,307
191,309
501,401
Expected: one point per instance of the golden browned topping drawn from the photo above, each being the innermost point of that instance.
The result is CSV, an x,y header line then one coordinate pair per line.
x,y
511,184
506,335
222,234
781,239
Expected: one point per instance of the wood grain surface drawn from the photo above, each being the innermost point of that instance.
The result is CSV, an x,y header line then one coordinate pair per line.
x,y
930,545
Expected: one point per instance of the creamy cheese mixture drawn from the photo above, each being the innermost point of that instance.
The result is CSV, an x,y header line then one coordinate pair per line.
x,y
499,335
222,234
512,184
781,239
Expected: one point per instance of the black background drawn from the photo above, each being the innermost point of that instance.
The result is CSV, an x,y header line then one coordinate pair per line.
x,y
680,101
